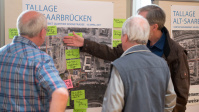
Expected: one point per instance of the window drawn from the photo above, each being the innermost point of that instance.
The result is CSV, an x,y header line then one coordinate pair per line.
x,y
137,4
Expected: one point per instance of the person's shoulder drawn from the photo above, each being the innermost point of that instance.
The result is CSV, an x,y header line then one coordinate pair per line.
x,y
173,45
176,47
42,55
38,55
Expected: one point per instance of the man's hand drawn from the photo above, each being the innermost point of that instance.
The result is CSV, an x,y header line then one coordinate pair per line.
x,y
75,40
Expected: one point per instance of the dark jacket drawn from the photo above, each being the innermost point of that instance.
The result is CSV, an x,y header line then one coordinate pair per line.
x,y
174,54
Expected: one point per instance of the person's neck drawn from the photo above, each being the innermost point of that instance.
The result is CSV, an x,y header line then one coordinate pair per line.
x,y
129,45
33,39
155,37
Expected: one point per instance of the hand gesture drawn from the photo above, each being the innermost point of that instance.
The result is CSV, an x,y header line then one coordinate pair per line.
x,y
75,40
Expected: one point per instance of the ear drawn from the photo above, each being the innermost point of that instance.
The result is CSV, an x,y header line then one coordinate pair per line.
x,y
155,27
126,38
42,33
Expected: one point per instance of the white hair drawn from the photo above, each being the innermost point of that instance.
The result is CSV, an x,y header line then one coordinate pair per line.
x,y
33,26
137,29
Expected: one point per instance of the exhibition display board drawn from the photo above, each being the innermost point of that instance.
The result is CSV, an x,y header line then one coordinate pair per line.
x,y
188,38
86,76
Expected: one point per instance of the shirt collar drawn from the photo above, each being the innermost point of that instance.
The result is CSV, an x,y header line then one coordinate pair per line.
x,y
20,39
159,44
129,49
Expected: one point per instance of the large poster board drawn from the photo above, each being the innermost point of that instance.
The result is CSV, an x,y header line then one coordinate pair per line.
x,y
92,20
185,31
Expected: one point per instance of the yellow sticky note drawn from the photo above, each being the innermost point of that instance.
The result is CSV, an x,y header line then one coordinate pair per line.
x,y
68,103
81,104
117,34
117,23
78,33
79,110
116,42
72,53
79,94
12,32
51,30
73,64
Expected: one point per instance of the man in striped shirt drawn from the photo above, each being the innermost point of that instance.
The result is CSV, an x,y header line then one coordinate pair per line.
x,y
29,81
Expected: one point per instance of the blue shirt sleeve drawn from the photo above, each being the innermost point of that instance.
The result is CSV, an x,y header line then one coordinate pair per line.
x,y
48,76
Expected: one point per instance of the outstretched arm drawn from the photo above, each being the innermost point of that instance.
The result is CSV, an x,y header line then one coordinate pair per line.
x,y
99,50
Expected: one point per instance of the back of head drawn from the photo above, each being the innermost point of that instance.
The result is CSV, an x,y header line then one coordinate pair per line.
x,y
137,29
155,15
30,23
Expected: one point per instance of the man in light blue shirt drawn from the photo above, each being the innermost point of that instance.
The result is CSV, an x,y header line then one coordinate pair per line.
x,y
29,81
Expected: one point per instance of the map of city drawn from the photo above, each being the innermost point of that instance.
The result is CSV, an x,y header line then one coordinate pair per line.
x,y
85,71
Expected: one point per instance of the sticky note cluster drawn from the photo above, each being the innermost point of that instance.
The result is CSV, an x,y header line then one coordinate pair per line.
x,y
117,34
12,32
116,42
78,33
72,53
116,37
80,94
51,30
68,103
79,110
73,61
117,23
80,103
73,64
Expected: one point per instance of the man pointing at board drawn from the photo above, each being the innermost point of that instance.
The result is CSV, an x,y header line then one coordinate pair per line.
x,y
159,43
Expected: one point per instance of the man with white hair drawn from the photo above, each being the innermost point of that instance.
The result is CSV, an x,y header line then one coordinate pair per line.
x,y
29,81
140,80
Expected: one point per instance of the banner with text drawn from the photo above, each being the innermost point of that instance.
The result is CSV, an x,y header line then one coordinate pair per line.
x,y
185,31
91,20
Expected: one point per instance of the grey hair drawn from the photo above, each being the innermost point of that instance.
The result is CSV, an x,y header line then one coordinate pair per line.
x,y
155,15
33,26
137,29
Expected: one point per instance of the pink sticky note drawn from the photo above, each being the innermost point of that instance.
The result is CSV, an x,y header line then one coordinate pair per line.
x,y
68,83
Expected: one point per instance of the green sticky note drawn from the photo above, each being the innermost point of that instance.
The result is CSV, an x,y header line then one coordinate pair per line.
x,y
78,33
116,42
68,103
79,94
73,64
12,32
117,23
117,34
79,110
80,104
72,53
51,30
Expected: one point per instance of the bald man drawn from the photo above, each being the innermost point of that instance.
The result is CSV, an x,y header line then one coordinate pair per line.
x,y
29,80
